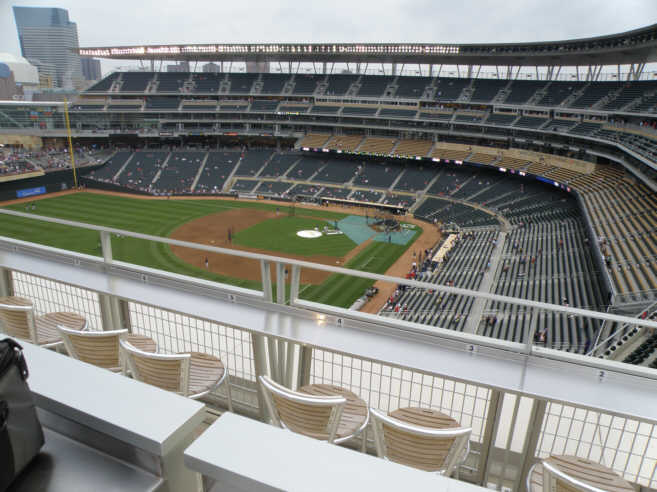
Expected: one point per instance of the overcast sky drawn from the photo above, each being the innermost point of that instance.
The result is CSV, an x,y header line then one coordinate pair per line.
x,y
127,22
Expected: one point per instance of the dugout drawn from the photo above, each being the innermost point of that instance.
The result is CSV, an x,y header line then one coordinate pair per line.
x,y
392,209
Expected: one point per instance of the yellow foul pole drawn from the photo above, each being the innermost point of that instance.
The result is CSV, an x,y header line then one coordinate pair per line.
x,y
70,143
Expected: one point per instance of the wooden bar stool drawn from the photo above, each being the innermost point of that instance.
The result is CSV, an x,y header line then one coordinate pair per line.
x,y
19,321
422,438
321,411
192,374
101,348
570,474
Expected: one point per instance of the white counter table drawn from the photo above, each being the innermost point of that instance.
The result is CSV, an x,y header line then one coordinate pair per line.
x,y
240,455
132,429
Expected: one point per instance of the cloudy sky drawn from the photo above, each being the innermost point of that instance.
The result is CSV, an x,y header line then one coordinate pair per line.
x,y
126,22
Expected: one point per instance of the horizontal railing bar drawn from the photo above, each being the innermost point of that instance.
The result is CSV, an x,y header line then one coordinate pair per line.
x,y
341,270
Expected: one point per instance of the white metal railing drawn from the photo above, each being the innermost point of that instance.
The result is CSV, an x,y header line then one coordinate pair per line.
x,y
511,427
499,421
268,262
297,265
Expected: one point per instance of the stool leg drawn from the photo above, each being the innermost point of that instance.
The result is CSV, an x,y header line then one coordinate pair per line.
x,y
363,444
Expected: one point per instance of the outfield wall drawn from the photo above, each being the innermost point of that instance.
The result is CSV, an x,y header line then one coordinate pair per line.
x,y
52,182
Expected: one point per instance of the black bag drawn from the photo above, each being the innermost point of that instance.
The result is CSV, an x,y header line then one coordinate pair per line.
x,y
21,436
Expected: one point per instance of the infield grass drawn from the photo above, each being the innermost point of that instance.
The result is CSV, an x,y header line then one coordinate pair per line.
x,y
161,217
280,234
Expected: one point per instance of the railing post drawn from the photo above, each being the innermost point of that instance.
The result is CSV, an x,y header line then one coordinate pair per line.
x,y
114,312
531,331
529,449
489,432
280,283
260,366
305,361
106,246
281,347
109,306
294,284
6,282
272,350
265,272
124,312
290,360
106,312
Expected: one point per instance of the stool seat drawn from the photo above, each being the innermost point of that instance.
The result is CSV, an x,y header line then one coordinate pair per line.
x,y
20,321
204,372
46,325
425,417
142,342
355,414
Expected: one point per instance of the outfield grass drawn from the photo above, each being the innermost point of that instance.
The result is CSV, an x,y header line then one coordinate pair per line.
x,y
280,234
161,217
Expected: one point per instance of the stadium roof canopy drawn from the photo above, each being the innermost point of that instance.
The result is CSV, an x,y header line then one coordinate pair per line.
x,y
638,46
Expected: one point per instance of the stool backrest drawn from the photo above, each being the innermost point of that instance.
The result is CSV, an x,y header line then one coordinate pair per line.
x,y
310,415
574,474
429,449
18,322
169,372
100,348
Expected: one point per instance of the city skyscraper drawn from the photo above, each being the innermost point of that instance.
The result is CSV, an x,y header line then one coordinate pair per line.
x,y
49,39
90,68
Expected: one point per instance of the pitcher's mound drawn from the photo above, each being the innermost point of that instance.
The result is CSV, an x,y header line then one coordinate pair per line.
x,y
309,234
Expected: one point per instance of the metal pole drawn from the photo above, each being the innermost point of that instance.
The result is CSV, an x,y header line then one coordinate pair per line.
x,y
70,142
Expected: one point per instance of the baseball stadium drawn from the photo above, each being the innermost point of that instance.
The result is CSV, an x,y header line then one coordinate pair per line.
x,y
464,230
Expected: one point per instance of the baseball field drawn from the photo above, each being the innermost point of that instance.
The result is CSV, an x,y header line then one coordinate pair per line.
x,y
256,226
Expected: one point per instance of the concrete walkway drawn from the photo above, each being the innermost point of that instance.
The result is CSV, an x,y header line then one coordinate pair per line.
x,y
477,310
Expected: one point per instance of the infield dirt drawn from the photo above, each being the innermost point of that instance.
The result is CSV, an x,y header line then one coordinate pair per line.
x,y
212,230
